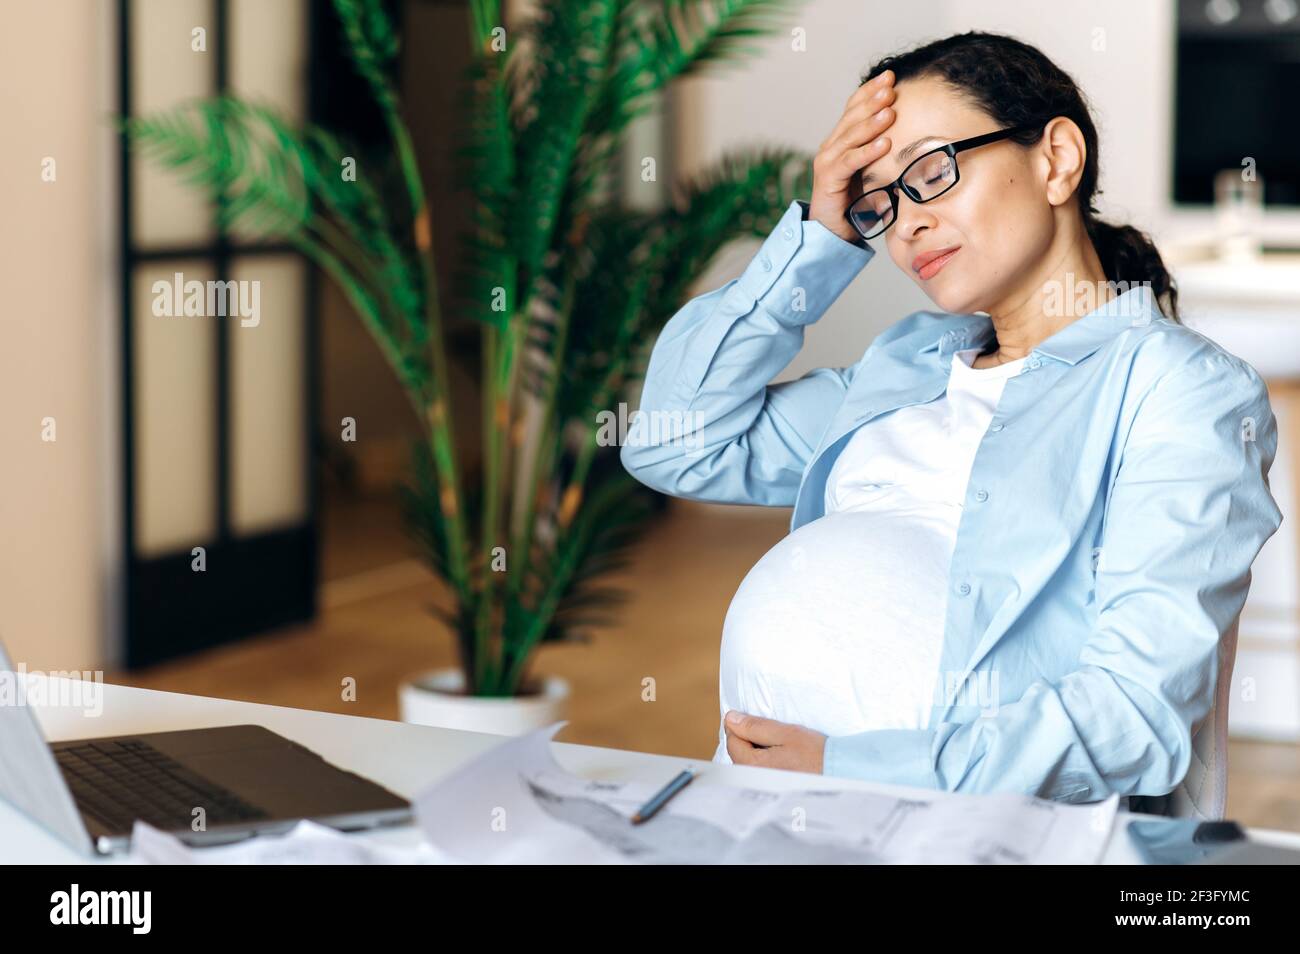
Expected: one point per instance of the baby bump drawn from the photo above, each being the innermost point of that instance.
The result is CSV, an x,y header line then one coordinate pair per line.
x,y
839,626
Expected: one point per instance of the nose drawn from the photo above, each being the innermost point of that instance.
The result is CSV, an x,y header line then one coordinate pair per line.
x,y
913,218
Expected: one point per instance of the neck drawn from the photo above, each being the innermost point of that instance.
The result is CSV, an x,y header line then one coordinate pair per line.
x,y
1022,320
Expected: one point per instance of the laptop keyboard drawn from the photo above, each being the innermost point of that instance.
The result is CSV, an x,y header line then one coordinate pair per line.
x,y
121,780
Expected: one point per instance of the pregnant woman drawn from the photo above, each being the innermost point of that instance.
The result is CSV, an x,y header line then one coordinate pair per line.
x,y
1023,520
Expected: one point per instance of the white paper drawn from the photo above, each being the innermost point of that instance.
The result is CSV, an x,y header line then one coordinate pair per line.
x,y
516,804
307,843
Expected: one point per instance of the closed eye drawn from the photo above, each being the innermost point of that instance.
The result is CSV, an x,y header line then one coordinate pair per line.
x,y
907,152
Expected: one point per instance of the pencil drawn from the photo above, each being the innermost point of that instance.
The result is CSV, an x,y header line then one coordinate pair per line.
x,y
646,811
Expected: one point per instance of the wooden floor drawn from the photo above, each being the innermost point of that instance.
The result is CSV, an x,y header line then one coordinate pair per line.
x,y
375,629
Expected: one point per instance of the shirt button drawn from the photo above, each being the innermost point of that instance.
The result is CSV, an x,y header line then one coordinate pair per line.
x,y
788,232
964,589
995,427
1034,362
982,496
767,264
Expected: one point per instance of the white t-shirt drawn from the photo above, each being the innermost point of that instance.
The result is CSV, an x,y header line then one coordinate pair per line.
x,y
839,627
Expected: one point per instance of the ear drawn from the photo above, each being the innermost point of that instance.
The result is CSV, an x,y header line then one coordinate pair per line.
x,y
1065,152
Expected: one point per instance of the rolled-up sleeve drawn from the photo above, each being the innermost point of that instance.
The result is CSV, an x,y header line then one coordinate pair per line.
x,y
1189,510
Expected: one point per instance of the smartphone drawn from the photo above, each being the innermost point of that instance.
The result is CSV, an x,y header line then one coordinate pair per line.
x,y
1180,841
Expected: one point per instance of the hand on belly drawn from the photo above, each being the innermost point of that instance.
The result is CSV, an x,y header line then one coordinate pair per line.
x,y
753,740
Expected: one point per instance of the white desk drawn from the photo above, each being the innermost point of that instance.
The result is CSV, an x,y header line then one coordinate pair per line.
x,y
402,757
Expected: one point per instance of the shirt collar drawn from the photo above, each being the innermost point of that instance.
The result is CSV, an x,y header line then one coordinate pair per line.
x,y
1071,344
961,332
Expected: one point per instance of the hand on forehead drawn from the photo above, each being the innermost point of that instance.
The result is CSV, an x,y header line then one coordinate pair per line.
x,y
928,113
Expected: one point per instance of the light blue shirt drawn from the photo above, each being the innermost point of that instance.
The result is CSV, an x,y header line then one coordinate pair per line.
x,y
1114,507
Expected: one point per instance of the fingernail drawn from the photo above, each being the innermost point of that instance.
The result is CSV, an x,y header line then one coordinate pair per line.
x,y
733,717
881,114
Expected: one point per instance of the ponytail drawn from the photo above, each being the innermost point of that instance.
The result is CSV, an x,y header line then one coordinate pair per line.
x,y
1128,255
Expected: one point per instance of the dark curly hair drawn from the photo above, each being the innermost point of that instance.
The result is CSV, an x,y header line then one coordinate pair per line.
x,y
1016,83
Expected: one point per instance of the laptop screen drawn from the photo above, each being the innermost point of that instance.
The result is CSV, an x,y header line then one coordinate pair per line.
x,y
30,779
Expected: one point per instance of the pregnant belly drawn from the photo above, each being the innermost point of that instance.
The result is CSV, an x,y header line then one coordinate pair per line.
x,y
839,627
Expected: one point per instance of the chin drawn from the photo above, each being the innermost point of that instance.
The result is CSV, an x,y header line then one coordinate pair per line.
x,y
953,300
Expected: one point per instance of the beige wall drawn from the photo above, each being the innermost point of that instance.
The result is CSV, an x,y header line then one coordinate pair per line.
x,y
56,333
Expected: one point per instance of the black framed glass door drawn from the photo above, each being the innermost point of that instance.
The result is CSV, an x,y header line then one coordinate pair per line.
x,y
218,357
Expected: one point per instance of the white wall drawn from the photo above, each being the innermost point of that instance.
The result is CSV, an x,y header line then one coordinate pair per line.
x,y
57,327
1119,51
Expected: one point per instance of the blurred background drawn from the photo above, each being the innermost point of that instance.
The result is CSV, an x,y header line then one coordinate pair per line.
x,y
172,435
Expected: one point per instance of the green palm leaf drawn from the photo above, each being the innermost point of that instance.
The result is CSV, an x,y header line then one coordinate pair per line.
x,y
587,281
373,43
573,40
636,267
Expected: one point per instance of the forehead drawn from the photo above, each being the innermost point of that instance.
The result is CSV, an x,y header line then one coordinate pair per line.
x,y
926,108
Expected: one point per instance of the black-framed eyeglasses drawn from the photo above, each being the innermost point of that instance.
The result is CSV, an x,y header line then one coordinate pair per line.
x,y
926,177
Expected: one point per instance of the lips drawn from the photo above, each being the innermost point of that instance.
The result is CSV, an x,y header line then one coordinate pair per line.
x,y
927,264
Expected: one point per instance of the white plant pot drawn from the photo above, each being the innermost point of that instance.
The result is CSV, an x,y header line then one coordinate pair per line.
x,y
437,698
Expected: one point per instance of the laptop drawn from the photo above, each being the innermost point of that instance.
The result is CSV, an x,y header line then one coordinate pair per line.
x,y
229,782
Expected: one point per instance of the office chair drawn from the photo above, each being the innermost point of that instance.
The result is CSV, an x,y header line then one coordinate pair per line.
x,y
1203,792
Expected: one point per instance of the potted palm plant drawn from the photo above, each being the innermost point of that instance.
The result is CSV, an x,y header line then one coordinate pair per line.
x,y
565,282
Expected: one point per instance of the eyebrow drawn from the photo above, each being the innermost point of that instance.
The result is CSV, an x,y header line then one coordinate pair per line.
x,y
907,152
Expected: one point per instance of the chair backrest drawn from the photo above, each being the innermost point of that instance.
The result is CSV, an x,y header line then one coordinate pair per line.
x,y
1203,793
